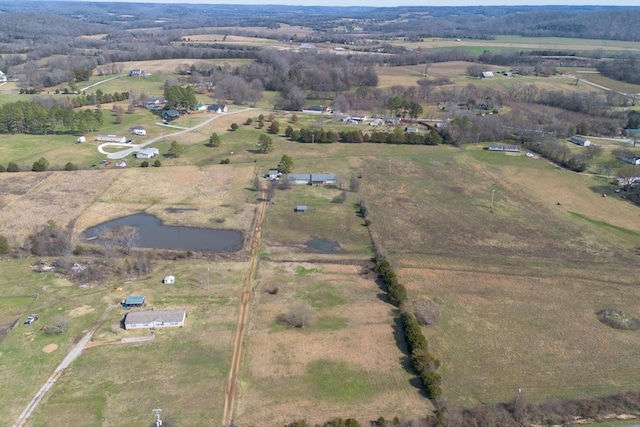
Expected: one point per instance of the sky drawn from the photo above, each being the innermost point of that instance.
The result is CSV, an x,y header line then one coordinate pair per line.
x,y
392,3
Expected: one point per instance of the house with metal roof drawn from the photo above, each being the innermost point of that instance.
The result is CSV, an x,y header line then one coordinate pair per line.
x,y
504,147
580,140
153,319
147,153
312,178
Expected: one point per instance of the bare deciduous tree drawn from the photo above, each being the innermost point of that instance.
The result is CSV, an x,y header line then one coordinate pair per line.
x,y
299,316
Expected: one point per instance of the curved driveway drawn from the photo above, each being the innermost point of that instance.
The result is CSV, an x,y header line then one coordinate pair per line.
x,y
132,148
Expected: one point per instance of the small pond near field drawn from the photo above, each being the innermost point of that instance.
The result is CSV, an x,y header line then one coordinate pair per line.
x,y
152,233
324,246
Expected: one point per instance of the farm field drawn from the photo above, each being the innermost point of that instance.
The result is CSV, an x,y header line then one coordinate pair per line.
x,y
524,43
347,364
520,285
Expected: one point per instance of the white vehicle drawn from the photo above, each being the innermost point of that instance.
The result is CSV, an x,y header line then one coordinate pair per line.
x,y
140,132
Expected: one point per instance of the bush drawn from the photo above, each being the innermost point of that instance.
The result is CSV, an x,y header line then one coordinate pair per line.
x,y
58,326
157,163
144,164
234,126
4,246
13,167
40,165
70,167
2,169
298,316
248,121
225,161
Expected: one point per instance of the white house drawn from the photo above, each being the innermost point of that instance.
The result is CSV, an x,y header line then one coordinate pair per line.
x,y
3,77
149,319
147,153
139,131
111,138
217,108
504,147
487,74
169,280
580,140
630,158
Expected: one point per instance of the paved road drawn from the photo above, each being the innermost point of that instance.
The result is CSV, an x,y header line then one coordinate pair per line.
x,y
132,148
73,354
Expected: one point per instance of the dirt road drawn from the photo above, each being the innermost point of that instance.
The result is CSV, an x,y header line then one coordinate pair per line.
x,y
73,354
245,299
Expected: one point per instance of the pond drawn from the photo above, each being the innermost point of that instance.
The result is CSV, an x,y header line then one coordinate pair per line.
x,y
152,233
324,246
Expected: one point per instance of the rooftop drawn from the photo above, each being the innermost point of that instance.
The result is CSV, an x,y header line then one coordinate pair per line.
x,y
149,316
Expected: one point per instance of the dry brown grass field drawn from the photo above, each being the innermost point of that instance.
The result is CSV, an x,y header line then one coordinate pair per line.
x,y
348,364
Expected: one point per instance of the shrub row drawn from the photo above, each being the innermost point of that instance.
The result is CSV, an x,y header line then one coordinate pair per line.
x,y
424,363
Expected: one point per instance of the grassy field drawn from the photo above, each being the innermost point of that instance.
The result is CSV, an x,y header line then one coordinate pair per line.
x,y
347,364
518,287
502,43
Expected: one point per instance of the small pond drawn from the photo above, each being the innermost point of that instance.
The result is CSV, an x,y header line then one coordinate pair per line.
x,y
324,246
152,233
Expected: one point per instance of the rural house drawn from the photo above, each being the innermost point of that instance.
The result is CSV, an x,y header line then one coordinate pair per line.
x,y
504,147
111,138
153,319
137,73
487,74
274,174
312,178
580,140
170,115
3,77
147,153
629,158
217,108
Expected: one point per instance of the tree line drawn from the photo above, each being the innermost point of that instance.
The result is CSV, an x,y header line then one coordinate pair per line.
x,y
30,117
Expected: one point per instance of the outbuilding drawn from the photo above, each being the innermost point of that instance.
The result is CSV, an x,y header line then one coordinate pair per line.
x,y
170,115
134,301
153,319
147,153
169,280
81,139
301,208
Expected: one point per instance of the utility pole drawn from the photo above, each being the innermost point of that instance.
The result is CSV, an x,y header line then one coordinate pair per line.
x,y
207,278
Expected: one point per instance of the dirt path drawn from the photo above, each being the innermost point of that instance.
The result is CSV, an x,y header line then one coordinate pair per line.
x,y
232,380
73,354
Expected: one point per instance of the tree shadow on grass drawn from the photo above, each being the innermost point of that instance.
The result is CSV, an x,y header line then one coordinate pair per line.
x,y
405,360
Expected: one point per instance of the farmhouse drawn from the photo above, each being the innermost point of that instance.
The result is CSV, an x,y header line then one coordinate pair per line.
x,y
155,319
134,301
137,73
312,179
170,115
315,109
147,153
111,138
629,158
504,147
217,108
580,140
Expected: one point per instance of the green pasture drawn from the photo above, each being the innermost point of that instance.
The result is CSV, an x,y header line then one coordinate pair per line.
x,y
25,367
182,371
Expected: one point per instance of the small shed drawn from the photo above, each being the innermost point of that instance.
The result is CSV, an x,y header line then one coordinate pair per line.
x,y
580,140
81,139
169,280
487,74
301,208
274,174
134,301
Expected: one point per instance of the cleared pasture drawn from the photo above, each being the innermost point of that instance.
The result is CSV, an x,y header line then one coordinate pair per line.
x,y
517,285
348,364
